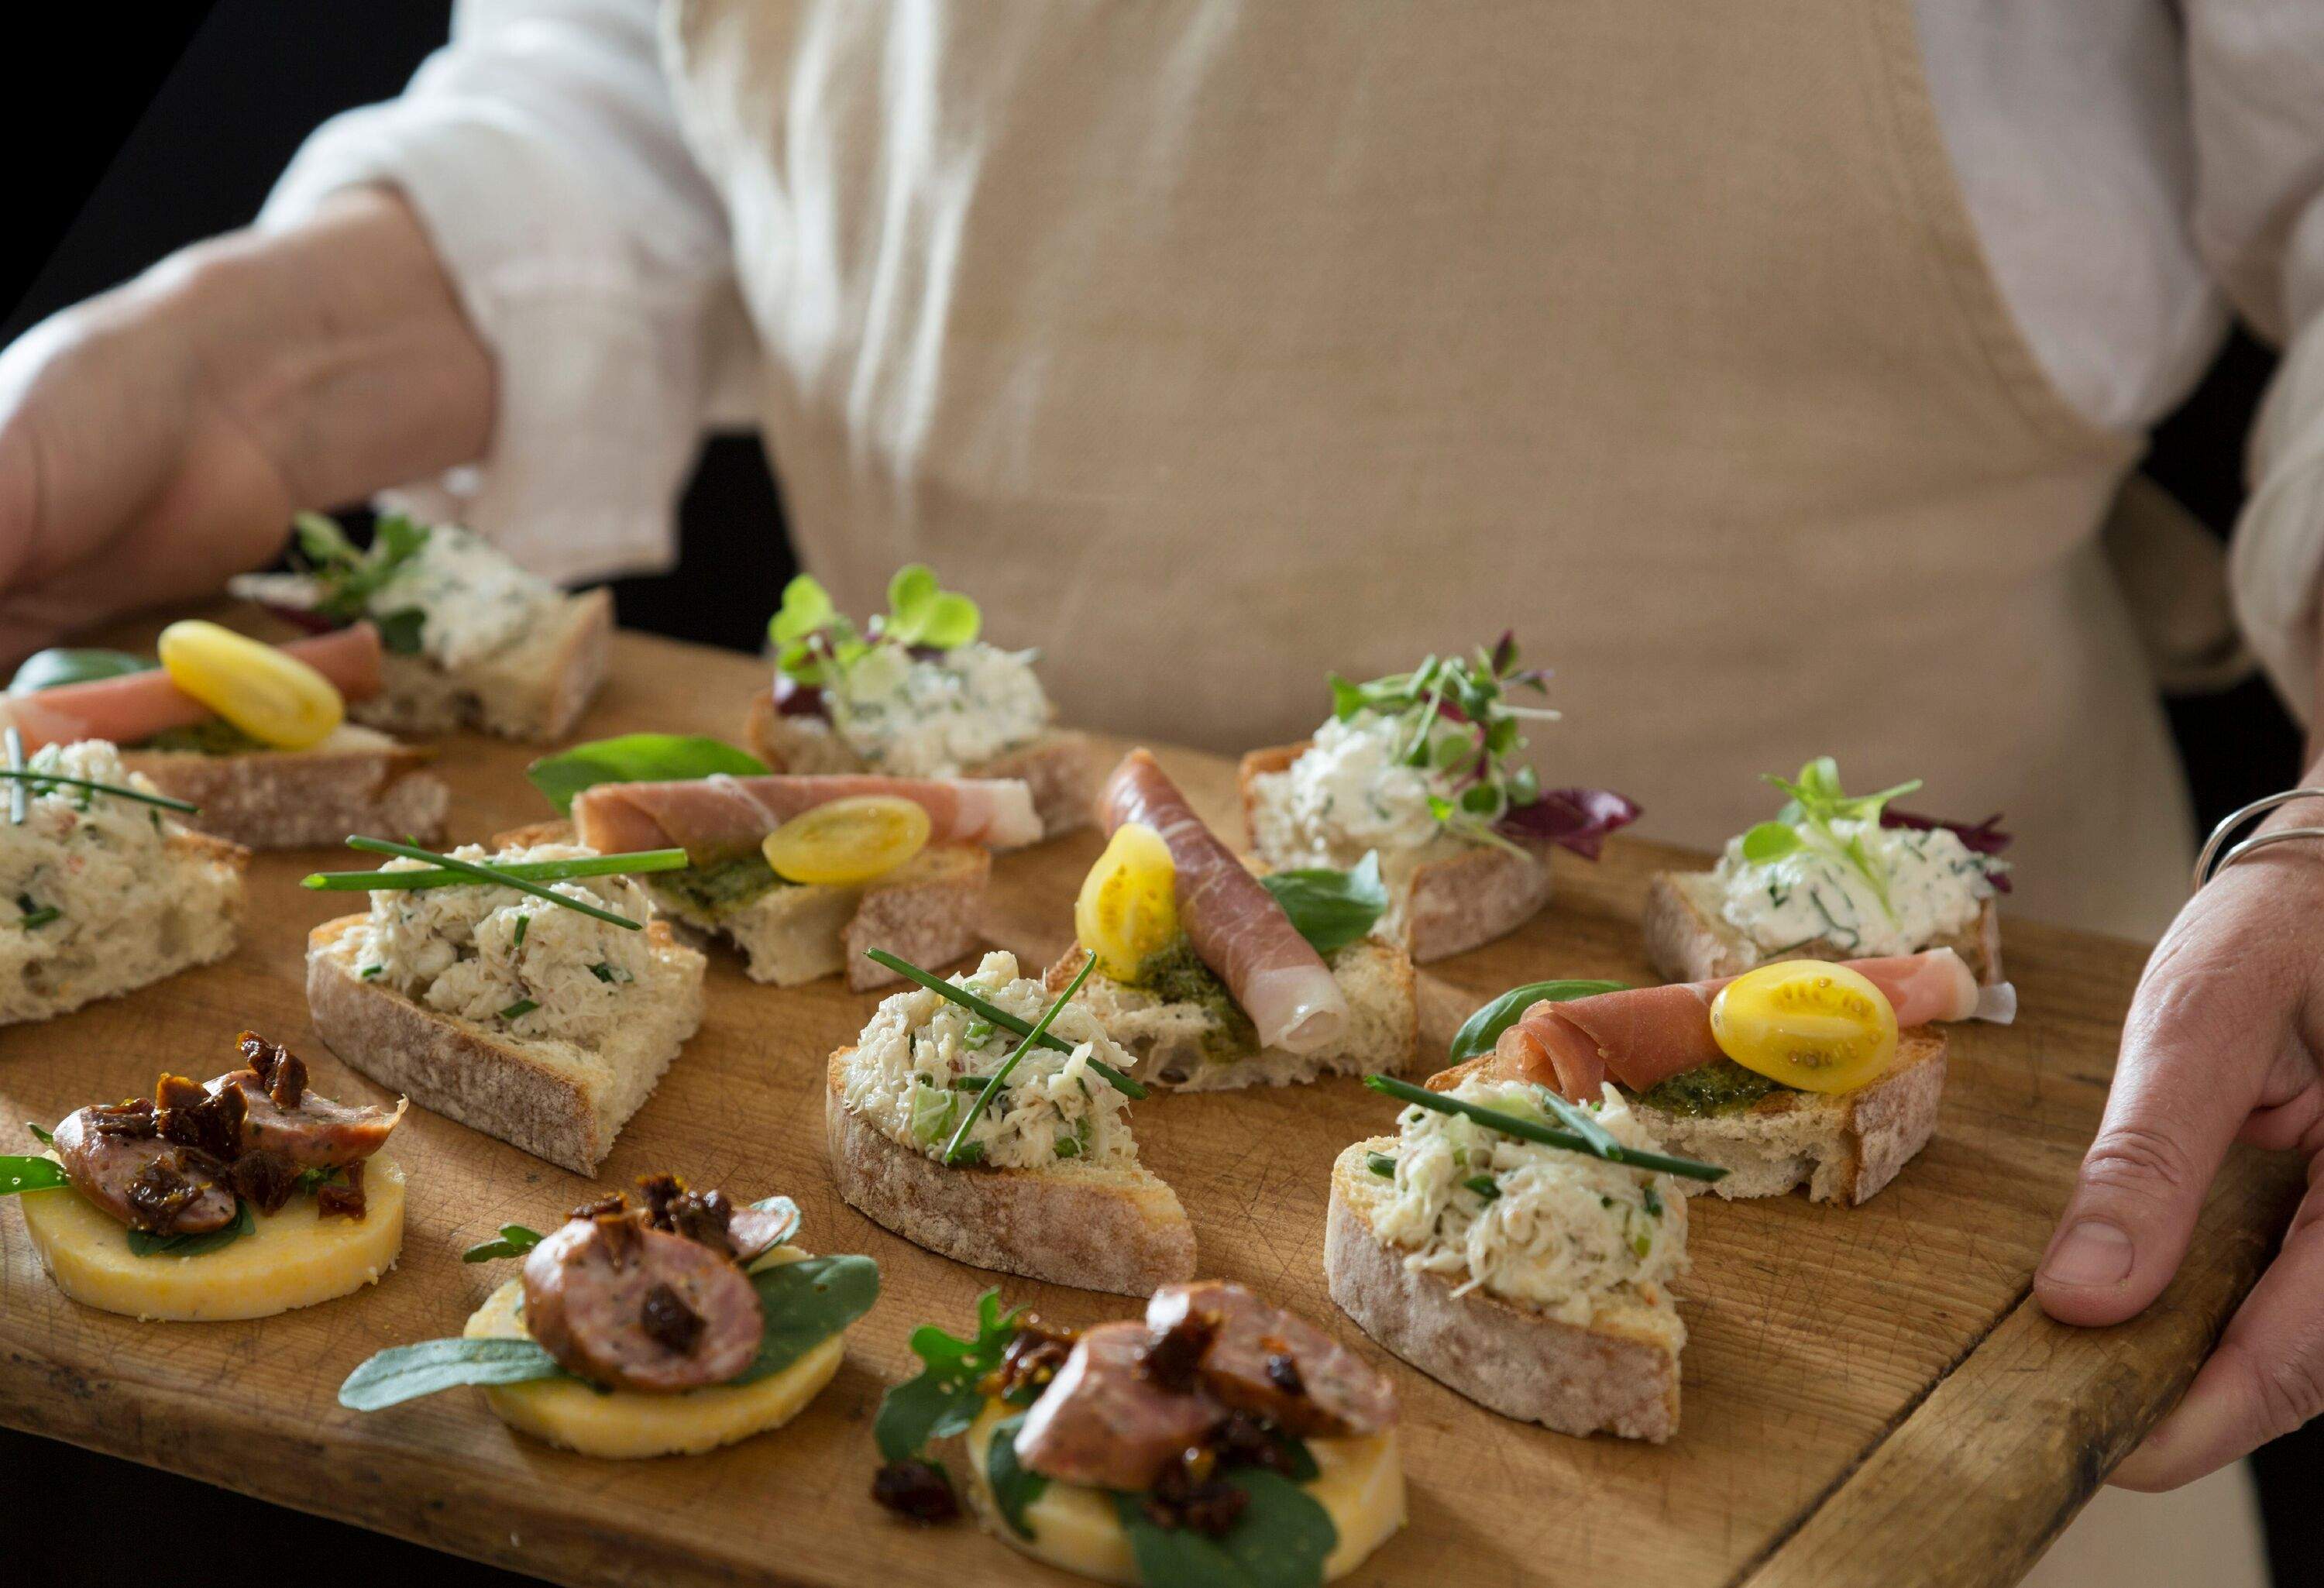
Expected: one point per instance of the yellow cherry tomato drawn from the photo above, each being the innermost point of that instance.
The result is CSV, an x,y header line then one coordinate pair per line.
x,y
1819,1026
1128,911
850,840
269,694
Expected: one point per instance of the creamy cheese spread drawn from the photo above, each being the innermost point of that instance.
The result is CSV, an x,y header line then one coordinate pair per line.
x,y
507,959
1561,1230
474,602
915,1070
936,716
1350,792
78,861
1929,885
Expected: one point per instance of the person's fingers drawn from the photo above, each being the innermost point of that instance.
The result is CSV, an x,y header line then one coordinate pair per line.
x,y
2266,1377
2207,1035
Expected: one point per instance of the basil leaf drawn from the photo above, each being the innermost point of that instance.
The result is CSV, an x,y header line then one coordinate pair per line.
x,y
30,1173
49,670
1483,1028
145,1243
806,1302
1331,909
943,1399
638,758
1014,1486
399,631
1281,1540
515,1241
405,1372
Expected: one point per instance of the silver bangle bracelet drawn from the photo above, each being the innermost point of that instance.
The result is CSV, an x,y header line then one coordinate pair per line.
x,y
2212,862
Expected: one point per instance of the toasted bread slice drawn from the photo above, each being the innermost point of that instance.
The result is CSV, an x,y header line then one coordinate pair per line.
x,y
1072,1223
1194,1047
1617,1374
1455,896
1843,1147
535,690
357,781
555,1099
188,915
1060,766
928,910
1689,941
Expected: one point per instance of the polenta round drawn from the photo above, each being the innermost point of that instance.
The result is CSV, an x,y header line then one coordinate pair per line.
x,y
1360,1485
623,1423
293,1258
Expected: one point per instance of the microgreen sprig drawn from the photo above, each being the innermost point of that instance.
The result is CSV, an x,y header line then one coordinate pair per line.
x,y
1599,1144
816,643
994,1015
494,876
993,1082
1817,801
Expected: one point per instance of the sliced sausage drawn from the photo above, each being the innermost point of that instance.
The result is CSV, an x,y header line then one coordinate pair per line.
x,y
1103,1421
1272,1363
624,1304
315,1134
116,1158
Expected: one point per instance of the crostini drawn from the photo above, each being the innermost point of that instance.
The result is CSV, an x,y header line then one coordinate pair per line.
x,y
242,1198
985,1119
524,992
1520,1248
915,694
253,734
802,873
1211,977
110,893
1421,770
473,641
668,1325
1833,876
1217,1430
1826,1074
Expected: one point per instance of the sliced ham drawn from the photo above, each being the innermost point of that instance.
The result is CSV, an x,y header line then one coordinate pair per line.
x,y
135,706
1235,925
719,817
1643,1036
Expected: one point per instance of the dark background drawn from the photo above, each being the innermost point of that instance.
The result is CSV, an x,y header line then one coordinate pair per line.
x,y
135,137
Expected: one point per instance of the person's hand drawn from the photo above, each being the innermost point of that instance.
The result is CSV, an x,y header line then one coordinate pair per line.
x,y
2224,1043
157,439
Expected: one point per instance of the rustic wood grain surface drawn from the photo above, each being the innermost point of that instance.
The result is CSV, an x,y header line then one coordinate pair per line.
x,y
1869,1394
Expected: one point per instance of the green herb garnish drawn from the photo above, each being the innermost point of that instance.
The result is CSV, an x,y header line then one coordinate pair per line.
x,y
1281,1539
1483,1031
944,1398
470,871
519,1009
515,1241
1331,909
146,1244
638,758
1484,1186
816,645
1380,1164
14,743
1014,1485
350,578
19,1173
53,668
994,1081
996,1015
35,915
1525,1129
530,871
405,1372
24,775
1816,802
40,1135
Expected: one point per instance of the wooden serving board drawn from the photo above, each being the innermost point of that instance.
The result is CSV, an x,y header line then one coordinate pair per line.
x,y
1869,1394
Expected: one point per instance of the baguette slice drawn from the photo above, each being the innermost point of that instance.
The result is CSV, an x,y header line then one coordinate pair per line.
x,y
1120,1229
189,915
534,691
928,910
1060,766
1689,941
357,781
1842,1147
1458,895
1194,1047
556,1100
1618,1374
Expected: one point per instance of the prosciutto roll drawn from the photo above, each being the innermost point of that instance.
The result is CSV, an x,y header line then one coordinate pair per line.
x,y
1643,1036
719,817
1235,925
135,706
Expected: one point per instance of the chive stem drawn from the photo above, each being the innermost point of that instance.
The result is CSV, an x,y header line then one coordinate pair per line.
x,y
17,790
532,871
1133,1090
1525,1129
22,776
491,875
993,1082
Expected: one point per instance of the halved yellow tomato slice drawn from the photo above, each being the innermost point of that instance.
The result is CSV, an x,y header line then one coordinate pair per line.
x,y
850,840
1128,911
1816,1026
269,694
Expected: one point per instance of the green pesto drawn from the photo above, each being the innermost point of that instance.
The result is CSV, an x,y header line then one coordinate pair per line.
x,y
1720,1087
1176,974
721,889
217,736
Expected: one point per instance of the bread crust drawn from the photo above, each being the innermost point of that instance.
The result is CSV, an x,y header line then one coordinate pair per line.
x,y
1060,766
1463,898
295,799
1618,1374
535,691
1099,1229
1688,940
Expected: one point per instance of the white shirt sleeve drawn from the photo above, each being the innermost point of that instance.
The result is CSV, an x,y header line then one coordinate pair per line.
x,y
2257,82
541,150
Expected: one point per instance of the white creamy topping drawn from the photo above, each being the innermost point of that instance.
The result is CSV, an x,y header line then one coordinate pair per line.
x,y
1930,884
905,1076
474,601
1564,1230
1350,792
483,952
938,716
78,860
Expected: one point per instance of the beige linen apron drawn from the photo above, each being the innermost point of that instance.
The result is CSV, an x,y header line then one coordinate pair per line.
x,y
1215,346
